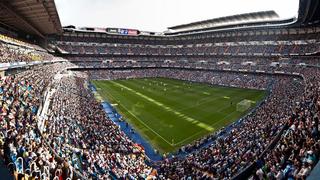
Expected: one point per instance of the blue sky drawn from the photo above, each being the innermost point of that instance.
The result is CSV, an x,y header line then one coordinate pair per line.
x,y
157,15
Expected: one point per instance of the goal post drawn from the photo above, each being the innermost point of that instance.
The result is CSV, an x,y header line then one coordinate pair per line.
x,y
243,105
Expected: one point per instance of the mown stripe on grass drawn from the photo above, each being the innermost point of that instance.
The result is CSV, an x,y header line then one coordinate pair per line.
x,y
216,122
165,140
183,116
147,126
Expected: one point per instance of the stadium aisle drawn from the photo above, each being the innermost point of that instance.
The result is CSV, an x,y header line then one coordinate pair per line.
x,y
4,171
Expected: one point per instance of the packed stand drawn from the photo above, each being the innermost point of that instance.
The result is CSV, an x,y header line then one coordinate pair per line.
x,y
10,53
93,144
270,117
24,149
298,149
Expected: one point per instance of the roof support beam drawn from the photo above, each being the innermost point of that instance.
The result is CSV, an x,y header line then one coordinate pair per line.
x,y
57,25
314,10
11,27
23,20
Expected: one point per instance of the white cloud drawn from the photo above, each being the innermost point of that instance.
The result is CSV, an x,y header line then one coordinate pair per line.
x,y
157,15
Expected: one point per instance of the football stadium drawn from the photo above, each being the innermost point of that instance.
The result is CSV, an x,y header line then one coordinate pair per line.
x,y
89,92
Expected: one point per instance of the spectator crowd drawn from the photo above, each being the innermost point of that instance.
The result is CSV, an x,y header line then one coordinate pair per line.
x,y
280,137
235,150
78,140
87,138
18,51
23,148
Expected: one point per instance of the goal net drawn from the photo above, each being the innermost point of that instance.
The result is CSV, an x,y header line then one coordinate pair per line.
x,y
243,105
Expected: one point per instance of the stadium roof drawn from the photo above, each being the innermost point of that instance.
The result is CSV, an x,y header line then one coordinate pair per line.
x,y
38,17
309,12
228,20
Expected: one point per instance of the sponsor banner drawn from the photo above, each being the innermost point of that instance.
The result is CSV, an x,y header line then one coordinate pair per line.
x,y
132,32
123,31
112,30
100,29
145,33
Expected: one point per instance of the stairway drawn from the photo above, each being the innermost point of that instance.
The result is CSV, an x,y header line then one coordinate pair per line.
x,y
4,171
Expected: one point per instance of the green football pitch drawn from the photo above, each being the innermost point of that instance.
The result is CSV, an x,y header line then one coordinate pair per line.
x,y
171,113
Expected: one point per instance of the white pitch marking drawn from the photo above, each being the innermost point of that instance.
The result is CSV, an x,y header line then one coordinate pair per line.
x,y
200,124
141,121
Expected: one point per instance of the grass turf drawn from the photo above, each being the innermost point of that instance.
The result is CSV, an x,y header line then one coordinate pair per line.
x,y
171,113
